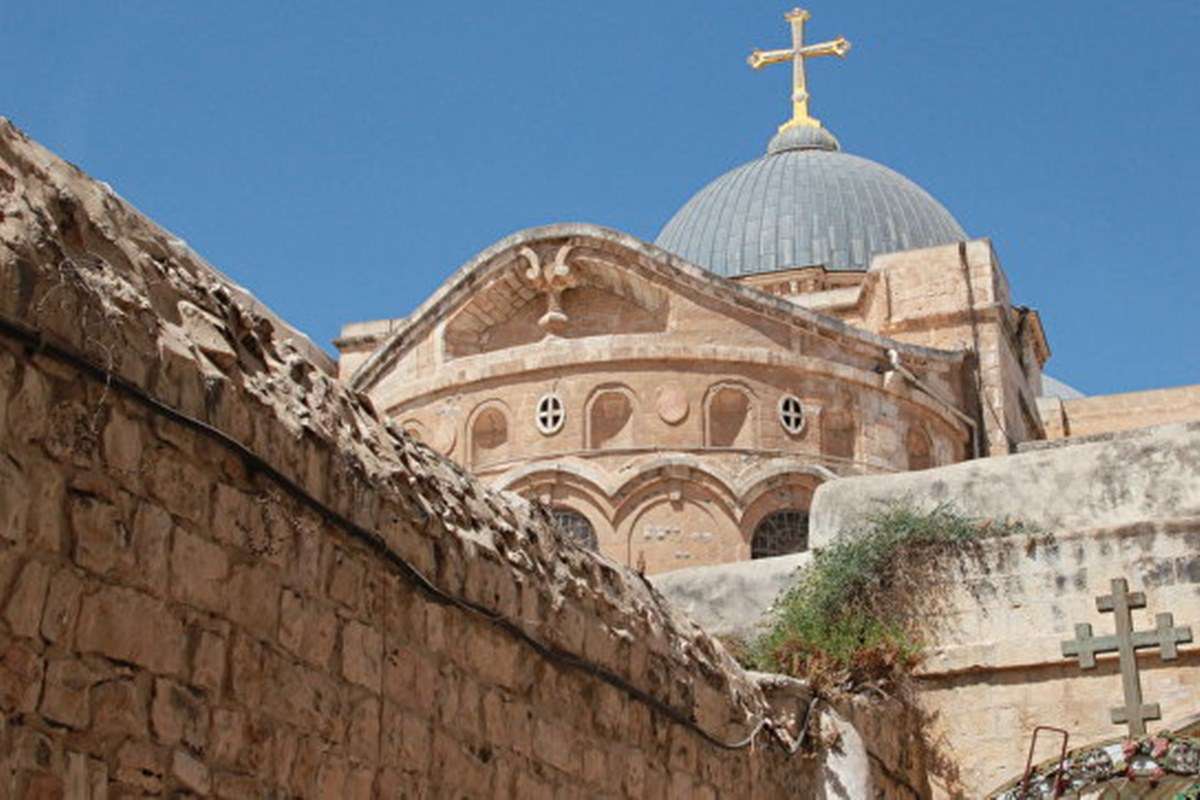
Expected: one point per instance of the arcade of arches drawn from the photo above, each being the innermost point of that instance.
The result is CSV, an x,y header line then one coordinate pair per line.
x,y
669,471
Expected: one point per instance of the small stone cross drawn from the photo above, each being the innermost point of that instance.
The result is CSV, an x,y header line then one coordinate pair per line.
x,y
1127,642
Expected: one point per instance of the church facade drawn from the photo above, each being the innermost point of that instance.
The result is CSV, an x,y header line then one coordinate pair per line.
x,y
806,316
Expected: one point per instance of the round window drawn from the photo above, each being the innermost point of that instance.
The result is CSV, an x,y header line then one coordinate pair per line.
x,y
575,527
550,414
791,414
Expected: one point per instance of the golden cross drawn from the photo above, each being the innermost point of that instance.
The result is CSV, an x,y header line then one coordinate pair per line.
x,y
797,54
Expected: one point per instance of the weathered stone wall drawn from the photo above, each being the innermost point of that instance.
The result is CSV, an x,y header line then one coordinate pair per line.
x,y
1126,507
1091,416
221,574
731,600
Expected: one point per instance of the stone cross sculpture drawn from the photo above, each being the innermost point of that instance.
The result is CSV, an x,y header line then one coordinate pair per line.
x,y
1127,642
797,54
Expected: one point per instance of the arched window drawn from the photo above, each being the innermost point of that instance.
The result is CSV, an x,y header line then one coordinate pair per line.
x,y
575,527
610,421
837,433
489,437
780,533
920,451
729,419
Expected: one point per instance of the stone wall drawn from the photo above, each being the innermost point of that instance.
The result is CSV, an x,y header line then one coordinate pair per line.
x,y
221,573
730,600
1126,507
1091,416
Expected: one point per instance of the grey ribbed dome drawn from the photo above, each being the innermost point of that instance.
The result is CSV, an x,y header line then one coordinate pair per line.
x,y
805,203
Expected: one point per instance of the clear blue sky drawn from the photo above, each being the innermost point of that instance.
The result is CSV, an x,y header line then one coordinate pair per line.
x,y
341,159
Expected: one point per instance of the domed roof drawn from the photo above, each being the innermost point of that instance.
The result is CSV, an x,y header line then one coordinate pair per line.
x,y
805,202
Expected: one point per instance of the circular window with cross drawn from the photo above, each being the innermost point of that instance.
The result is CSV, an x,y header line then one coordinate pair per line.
x,y
550,414
791,414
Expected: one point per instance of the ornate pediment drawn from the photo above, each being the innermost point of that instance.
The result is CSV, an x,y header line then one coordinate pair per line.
x,y
560,289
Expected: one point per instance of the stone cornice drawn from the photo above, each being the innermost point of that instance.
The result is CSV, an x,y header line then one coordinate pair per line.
x,y
640,255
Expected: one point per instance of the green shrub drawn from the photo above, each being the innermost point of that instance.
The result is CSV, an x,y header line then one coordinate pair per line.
x,y
859,611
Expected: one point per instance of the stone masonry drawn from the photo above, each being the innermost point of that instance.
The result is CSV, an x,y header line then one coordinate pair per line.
x,y
222,574
1122,506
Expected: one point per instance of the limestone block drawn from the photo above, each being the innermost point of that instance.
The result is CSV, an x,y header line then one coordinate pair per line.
x,y
98,529
362,734
458,766
360,784
177,715
141,765
346,575
208,662
119,709
191,773
306,698
200,571
318,633
62,607
178,483
24,610
129,626
555,744
362,655
595,766
232,514
27,416
66,696
331,778
46,513
14,501
253,598
496,657
146,565
248,670
21,671
305,767
227,737
104,544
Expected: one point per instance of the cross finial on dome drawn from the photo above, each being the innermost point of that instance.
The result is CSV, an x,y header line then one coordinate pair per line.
x,y
797,54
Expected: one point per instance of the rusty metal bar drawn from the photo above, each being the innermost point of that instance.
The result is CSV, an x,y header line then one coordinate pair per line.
x,y
1062,756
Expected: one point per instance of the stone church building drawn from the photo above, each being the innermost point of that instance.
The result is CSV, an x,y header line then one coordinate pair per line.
x,y
808,315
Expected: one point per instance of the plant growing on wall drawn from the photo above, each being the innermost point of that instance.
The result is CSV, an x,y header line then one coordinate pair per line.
x,y
861,611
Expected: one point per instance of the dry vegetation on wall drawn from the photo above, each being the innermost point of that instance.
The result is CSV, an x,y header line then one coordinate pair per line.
x,y
861,613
